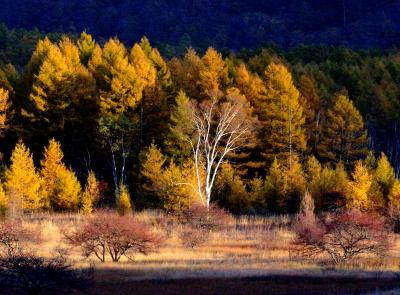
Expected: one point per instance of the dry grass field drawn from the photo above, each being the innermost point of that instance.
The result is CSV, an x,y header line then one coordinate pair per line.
x,y
247,256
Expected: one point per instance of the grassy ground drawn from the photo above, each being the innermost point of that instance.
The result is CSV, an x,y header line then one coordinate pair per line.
x,y
249,256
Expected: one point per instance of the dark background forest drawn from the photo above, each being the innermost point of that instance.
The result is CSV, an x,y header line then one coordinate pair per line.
x,y
222,24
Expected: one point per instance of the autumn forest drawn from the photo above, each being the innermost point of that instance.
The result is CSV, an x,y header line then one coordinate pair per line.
x,y
80,113
199,147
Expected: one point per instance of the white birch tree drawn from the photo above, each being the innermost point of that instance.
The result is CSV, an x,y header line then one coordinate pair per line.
x,y
219,129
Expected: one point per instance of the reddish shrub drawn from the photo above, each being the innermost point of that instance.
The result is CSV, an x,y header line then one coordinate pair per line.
x,y
13,235
342,235
115,235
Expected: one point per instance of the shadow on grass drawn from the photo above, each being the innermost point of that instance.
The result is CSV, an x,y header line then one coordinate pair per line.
x,y
274,284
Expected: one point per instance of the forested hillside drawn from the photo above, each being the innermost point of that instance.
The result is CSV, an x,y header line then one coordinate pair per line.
x,y
229,24
319,119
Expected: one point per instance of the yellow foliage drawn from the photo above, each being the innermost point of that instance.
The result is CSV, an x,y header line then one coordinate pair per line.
x,y
86,46
4,106
281,114
143,66
343,136
51,164
213,73
117,79
383,181
294,177
185,72
314,169
359,187
394,194
67,191
3,201
60,188
175,185
124,206
22,181
250,85
91,194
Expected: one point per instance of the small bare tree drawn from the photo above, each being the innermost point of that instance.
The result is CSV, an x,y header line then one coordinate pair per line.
x,y
219,129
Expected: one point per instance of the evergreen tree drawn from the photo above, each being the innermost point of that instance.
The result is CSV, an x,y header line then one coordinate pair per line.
x,y
4,109
60,187
172,184
67,193
32,69
51,163
281,115
124,206
120,89
343,138
176,142
359,187
394,195
275,186
295,186
86,46
383,180
313,112
313,174
91,194
213,74
185,73
250,85
22,181
144,67
3,201
64,98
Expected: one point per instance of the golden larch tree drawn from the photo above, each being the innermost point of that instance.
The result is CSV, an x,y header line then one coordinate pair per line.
x,y
91,194
281,115
312,105
213,74
67,191
343,137
51,164
383,180
60,187
358,188
22,180
124,206
4,108
3,201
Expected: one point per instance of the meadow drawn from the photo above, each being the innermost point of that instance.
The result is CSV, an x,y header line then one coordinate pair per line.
x,y
248,255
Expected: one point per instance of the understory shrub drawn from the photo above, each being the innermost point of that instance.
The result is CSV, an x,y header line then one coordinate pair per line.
x,y
342,235
108,233
14,236
198,222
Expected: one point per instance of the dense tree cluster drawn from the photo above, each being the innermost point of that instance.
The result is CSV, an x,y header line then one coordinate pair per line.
x,y
271,127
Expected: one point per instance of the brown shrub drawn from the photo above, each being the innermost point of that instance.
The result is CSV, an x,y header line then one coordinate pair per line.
x,y
198,222
115,235
394,217
197,216
342,235
13,236
192,237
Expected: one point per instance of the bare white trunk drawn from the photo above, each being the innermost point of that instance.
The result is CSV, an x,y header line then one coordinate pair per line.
x,y
218,132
